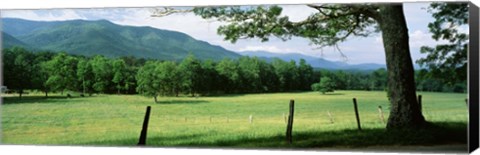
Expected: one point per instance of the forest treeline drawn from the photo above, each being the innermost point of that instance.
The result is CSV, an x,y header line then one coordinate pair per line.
x,y
59,72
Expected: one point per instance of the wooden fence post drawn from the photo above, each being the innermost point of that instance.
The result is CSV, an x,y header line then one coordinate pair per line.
x,y
330,116
251,119
356,113
143,134
380,111
290,122
420,103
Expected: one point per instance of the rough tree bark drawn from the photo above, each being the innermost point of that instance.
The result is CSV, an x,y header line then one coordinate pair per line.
x,y
405,112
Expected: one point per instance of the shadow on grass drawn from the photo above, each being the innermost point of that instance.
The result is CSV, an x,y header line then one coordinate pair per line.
x,y
182,101
437,134
158,140
225,95
37,99
333,94
264,93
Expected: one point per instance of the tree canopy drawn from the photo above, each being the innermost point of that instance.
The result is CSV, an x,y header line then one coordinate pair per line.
x,y
447,61
332,24
325,85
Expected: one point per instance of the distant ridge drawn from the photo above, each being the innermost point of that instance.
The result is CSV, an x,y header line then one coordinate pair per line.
x,y
9,41
313,61
102,37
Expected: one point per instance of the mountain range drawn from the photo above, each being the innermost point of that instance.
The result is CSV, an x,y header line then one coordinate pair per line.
x,y
102,37
313,61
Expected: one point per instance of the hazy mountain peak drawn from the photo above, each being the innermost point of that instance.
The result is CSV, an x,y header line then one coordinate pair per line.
x,y
313,61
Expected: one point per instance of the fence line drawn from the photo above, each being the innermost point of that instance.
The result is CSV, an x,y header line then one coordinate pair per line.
x,y
166,119
240,117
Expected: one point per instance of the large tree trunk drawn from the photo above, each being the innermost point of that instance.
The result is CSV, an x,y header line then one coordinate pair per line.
x,y
405,112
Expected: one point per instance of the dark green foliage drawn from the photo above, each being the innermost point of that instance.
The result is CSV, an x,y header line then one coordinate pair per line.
x,y
62,72
85,76
305,76
103,74
191,75
160,78
379,79
287,74
325,85
229,75
210,80
327,28
18,70
169,78
47,71
121,79
102,37
146,80
255,75
447,63
40,71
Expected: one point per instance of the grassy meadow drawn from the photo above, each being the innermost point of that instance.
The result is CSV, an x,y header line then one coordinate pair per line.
x,y
224,121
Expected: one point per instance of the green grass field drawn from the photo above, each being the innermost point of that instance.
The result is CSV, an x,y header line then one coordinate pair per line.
x,y
116,120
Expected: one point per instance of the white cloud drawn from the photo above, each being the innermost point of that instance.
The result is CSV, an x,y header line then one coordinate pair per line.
x,y
378,40
464,29
293,13
43,15
268,48
364,50
419,38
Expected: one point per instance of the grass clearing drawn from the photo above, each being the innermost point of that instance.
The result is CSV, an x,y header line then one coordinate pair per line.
x,y
116,120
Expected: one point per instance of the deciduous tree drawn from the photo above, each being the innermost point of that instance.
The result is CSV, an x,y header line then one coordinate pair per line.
x,y
147,80
62,71
85,75
120,75
332,24
103,73
18,69
447,62
192,72
325,85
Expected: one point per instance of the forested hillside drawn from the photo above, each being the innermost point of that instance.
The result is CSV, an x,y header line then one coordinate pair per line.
x,y
102,37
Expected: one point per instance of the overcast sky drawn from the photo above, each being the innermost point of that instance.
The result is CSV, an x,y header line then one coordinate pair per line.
x,y
357,50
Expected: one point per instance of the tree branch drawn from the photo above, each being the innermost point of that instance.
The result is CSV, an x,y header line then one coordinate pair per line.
x,y
166,11
368,10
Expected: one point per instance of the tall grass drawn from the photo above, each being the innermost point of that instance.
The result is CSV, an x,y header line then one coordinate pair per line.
x,y
224,121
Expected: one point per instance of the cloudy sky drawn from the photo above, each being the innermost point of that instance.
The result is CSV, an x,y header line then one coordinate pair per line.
x,y
357,50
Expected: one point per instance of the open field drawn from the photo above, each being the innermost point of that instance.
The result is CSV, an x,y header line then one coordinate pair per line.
x,y
116,120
